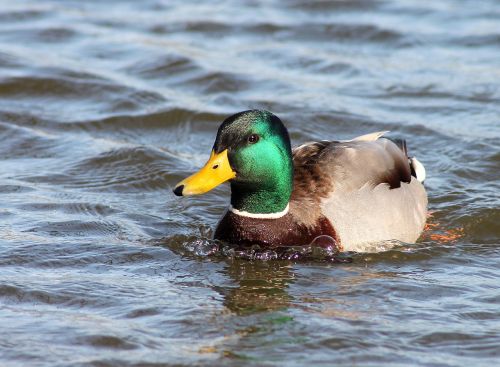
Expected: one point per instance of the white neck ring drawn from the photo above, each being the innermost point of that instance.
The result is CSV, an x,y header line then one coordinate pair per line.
x,y
260,215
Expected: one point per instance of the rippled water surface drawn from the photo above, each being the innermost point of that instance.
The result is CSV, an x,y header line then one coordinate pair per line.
x,y
105,105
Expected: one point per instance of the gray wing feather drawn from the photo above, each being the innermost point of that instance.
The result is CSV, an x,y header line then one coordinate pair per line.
x,y
357,163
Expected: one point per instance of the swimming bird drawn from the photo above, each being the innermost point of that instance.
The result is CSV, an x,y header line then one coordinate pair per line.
x,y
359,191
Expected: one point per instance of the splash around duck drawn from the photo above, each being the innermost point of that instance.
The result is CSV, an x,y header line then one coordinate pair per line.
x,y
360,191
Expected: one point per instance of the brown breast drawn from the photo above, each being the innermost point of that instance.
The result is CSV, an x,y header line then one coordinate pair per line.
x,y
284,231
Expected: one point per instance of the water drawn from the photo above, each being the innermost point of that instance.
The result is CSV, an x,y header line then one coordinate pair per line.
x,y
104,106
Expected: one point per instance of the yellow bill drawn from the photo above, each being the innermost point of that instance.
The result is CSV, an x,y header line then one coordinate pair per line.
x,y
216,171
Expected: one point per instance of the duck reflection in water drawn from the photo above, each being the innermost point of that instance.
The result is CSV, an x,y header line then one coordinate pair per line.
x,y
260,286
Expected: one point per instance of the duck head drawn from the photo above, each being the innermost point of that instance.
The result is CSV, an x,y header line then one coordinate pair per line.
x,y
252,151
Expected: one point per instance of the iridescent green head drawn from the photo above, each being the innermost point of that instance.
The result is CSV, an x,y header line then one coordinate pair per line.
x,y
252,150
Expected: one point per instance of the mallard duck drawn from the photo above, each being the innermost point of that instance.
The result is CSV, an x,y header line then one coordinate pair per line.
x,y
358,191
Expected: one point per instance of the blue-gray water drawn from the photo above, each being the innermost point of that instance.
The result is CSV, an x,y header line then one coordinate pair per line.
x,y
105,105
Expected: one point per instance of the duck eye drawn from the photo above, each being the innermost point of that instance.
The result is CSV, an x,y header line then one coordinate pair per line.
x,y
254,138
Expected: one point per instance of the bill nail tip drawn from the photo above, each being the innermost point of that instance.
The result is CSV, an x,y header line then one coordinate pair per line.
x,y
178,190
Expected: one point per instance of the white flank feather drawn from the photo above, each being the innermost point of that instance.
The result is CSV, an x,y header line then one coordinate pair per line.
x,y
419,169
